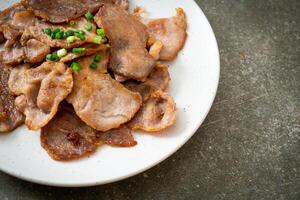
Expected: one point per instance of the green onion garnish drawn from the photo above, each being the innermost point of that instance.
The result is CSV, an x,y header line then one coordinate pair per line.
x,y
108,46
93,65
78,50
53,34
72,23
49,57
97,58
75,66
62,52
71,39
52,57
89,16
88,26
59,35
81,37
98,39
69,33
55,57
101,32
80,32
48,31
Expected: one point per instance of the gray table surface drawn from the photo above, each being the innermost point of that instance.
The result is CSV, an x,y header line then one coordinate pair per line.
x,y
249,145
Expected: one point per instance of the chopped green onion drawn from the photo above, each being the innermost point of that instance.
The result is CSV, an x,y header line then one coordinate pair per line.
x,y
69,33
72,23
75,66
88,26
62,52
49,57
71,39
108,46
101,32
52,57
78,50
93,65
53,34
97,58
55,57
98,39
80,32
59,35
81,37
48,31
89,16
56,30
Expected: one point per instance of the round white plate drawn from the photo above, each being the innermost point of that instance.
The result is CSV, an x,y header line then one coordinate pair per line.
x,y
195,76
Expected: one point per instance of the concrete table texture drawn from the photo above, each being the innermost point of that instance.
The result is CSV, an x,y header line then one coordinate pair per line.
x,y
249,145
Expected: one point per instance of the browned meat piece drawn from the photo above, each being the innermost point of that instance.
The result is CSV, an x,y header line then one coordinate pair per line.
x,y
100,101
23,19
120,137
36,51
7,14
11,34
122,3
66,137
59,11
158,79
10,117
157,113
13,21
171,32
120,78
40,90
90,49
37,32
13,55
33,52
129,56
11,27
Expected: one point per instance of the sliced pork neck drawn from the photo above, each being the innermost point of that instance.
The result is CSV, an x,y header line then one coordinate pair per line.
x,y
40,90
60,11
100,101
10,117
128,37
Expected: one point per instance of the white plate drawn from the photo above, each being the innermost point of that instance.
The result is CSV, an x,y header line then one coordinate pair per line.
x,y
195,76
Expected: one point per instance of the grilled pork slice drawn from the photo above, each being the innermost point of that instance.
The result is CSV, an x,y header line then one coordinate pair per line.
x,y
33,52
37,32
67,137
122,3
100,101
119,137
7,14
171,32
158,79
157,113
40,90
59,11
128,37
10,117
